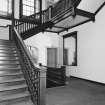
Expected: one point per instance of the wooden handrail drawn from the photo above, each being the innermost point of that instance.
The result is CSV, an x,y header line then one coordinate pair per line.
x,y
25,48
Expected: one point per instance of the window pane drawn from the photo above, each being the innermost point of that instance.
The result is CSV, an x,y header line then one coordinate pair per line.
x,y
30,6
5,7
70,49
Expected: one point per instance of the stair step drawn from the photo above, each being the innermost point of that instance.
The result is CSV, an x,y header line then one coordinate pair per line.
x,y
26,100
6,41
5,62
8,51
9,58
8,54
10,72
12,85
9,69
13,91
5,66
8,45
10,78
14,96
7,48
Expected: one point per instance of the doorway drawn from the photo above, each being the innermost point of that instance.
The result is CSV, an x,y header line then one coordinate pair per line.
x,y
52,57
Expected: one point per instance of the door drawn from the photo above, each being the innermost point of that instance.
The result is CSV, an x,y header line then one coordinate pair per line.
x,y
52,57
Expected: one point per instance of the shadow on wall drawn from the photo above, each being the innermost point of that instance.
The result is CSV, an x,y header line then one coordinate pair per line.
x,y
34,52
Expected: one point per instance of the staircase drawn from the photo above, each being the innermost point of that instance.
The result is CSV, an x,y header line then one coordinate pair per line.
x,y
13,87
31,25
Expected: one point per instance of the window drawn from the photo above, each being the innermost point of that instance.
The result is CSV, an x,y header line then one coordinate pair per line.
x,y
70,49
30,7
5,7
51,2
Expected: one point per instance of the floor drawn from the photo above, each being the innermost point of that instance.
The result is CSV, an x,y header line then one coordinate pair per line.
x,y
77,92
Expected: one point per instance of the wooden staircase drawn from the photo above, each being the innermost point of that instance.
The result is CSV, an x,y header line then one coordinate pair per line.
x,y
13,87
39,22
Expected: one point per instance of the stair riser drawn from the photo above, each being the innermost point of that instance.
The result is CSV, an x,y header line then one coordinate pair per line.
x,y
14,91
7,48
13,84
5,66
9,58
8,55
6,41
8,45
17,101
9,62
8,51
10,78
13,87
10,72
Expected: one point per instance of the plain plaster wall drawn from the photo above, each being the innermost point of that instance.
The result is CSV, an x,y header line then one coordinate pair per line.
x,y
42,41
91,50
4,31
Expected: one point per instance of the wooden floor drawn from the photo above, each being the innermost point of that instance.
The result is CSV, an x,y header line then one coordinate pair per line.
x,y
77,92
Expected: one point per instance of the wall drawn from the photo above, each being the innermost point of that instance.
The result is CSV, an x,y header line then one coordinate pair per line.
x,y
43,41
91,50
4,32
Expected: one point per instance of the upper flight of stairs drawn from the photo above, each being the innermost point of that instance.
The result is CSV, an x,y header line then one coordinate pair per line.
x,y
13,87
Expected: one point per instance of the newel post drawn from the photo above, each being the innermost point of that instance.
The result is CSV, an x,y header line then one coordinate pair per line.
x,y
42,85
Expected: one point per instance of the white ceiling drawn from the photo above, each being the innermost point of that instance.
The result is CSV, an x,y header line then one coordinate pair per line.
x,y
90,5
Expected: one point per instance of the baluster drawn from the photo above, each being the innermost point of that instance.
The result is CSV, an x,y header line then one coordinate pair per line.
x,y
50,12
23,27
18,26
26,26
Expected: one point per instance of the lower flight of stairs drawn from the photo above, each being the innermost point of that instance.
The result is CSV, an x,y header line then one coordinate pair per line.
x,y
13,87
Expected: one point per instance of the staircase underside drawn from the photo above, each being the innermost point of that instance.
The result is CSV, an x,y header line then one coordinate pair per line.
x,y
36,30
85,12
68,18
67,21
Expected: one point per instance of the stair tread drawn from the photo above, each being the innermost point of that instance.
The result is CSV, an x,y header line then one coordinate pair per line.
x,y
8,63
12,74
13,87
2,73
7,48
11,80
14,91
26,100
8,58
3,63
25,103
9,66
8,54
7,69
14,96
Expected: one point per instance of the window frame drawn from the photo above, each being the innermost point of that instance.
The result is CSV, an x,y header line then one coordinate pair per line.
x,y
7,14
21,8
74,35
